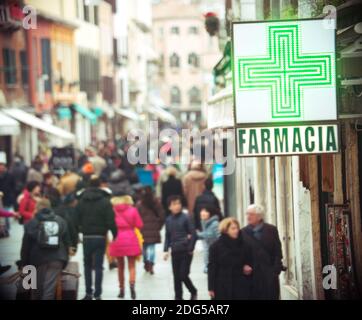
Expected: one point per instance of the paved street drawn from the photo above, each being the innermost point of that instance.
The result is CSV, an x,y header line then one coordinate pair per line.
x,y
156,287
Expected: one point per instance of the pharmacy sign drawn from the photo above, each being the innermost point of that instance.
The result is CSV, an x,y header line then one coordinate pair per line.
x,y
283,73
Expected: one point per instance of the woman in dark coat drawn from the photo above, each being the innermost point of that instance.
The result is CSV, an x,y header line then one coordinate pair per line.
x,y
230,265
152,215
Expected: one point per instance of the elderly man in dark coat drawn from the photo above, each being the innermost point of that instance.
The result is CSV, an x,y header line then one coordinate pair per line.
x,y
267,254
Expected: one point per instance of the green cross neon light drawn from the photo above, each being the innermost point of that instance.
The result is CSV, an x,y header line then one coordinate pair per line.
x,y
285,71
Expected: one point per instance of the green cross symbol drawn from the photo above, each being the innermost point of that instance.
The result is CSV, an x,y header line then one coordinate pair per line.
x,y
285,71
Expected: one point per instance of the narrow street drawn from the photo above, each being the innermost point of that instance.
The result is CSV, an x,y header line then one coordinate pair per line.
x,y
228,131
156,287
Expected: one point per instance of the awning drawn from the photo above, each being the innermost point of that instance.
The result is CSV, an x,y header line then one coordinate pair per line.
x,y
85,113
103,109
128,114
64,113
98,111
38,123
8,126
162,114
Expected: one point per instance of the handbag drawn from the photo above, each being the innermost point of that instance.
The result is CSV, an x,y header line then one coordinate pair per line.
x,y
139,237
140,241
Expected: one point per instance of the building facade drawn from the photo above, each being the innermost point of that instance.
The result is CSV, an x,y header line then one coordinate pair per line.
x,y
186,55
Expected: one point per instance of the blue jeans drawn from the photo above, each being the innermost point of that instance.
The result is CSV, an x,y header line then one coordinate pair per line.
x,y
149,252
94,249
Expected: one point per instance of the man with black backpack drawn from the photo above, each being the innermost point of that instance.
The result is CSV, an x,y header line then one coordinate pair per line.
x,y
45,245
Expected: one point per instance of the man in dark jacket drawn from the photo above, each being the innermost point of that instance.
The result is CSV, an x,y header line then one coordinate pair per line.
x,y
49,191
181,238
206,199
267,254
45,245
19,171
67,211
172,186
95,217
119,184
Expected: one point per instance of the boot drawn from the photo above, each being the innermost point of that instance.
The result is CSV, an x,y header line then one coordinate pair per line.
x,y
4,269
151,268
121,293
147,266
133,291
193,296
113,265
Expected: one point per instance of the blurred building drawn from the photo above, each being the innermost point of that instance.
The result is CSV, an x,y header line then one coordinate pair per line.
x,y
27,70
186,55
70,71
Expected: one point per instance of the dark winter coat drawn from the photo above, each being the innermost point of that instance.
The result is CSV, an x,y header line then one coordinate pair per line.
x,y
153,220
267,258
227,257
69,215
19,171
52,194
207,198
171,187
180,233
7,187
32,253
95,214
119,184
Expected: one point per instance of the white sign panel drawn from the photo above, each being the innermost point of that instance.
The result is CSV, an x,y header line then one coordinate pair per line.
x,y
287,140
284,72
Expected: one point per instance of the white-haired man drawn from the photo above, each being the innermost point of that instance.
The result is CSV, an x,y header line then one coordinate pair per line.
x,y
267,254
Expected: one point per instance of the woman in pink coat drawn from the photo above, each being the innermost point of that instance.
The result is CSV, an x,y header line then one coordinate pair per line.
x,y
126,244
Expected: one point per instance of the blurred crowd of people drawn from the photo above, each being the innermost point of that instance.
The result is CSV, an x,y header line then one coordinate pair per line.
x,y
120,217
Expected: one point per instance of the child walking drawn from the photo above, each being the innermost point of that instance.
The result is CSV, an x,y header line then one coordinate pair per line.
x,y
181,238
210,230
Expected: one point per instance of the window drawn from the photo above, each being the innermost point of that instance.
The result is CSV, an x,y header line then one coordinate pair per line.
x,y
89,73
161,66
193,116
24,68
183,116
86,16
174,61
108,89
194,60
193,30
175,95
175,30
9,66
194,96
95,12
46,63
